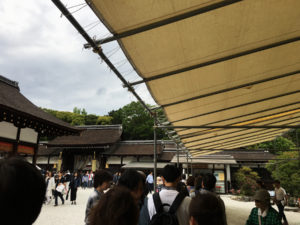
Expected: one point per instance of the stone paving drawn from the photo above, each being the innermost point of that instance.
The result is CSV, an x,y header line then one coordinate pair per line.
x,y
67,214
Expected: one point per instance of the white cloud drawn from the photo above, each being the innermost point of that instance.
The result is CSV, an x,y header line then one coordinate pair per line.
x,y
44,53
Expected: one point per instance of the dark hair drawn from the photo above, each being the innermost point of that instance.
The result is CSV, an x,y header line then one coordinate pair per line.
x,y
170,173
209,181
131,179
207,209
190,181
22,191
102,176
198,182
181,188
116,207
276,182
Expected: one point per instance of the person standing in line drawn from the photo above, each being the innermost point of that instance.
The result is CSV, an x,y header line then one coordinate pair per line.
x,y
149,181
117,207
263,213
209,185
280,199
74,184
205,208
22,192
102,182
171,176
135,182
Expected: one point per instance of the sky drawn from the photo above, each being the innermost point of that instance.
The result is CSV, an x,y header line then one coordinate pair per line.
x,y
44,53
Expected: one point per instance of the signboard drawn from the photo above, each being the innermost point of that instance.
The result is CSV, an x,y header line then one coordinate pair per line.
x,y
25,149
5,146
220,184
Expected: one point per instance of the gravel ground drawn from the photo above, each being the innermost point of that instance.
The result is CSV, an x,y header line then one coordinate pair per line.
x,y
237,212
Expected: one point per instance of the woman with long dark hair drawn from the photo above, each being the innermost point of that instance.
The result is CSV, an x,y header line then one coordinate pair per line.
x,y
74,184
116,207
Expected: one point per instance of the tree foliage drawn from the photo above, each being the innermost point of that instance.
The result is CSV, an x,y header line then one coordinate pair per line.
x,y
136,121
246,180
286,168
277,146
80,117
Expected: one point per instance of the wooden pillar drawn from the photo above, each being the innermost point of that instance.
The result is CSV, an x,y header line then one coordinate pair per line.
x,y
16,144
36,149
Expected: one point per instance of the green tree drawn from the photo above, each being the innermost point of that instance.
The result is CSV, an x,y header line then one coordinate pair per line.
x,y
90,119
136,121
78,119
104,120
76,110
246,180
286,168
276,146
83,112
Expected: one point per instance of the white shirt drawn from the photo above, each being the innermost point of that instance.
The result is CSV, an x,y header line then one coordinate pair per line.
x,y
280,194
168,197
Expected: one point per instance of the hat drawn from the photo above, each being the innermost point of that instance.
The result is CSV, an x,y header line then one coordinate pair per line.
x,y
262,195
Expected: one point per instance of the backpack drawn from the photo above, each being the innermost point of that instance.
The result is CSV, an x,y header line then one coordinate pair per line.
x,y
166,218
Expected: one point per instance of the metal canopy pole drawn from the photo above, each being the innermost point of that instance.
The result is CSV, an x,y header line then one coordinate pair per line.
x,y
192,170
97,49
297,140
155,154
177,153
187,163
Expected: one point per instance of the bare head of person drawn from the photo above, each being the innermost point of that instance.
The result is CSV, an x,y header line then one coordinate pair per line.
x,y
22,192
206,209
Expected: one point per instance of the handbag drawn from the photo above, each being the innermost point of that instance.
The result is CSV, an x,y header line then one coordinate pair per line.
x,y
60,188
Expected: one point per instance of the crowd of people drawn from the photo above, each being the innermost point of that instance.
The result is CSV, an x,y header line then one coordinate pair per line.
x,y
126,198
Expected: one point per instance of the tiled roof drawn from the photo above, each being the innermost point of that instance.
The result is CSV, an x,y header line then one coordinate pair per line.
x,y
17,109
249,155
90,136
135,148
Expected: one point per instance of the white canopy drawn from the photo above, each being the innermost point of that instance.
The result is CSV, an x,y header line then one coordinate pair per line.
x,y
218,63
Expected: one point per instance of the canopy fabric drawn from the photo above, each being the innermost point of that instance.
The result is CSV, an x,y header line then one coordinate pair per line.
x,y
237,64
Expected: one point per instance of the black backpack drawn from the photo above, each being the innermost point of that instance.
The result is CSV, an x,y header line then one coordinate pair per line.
x,y
166,218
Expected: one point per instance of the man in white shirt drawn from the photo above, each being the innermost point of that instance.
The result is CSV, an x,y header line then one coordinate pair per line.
x,y
171,175
149,181
280,200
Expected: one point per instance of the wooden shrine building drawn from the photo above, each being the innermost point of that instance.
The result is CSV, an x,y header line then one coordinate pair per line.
x,y
22,123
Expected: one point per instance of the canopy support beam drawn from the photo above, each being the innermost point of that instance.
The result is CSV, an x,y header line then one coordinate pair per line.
x,y
238,106
97,49
155,156
250,114
214,61
235,141
164,22
212,130
233,88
